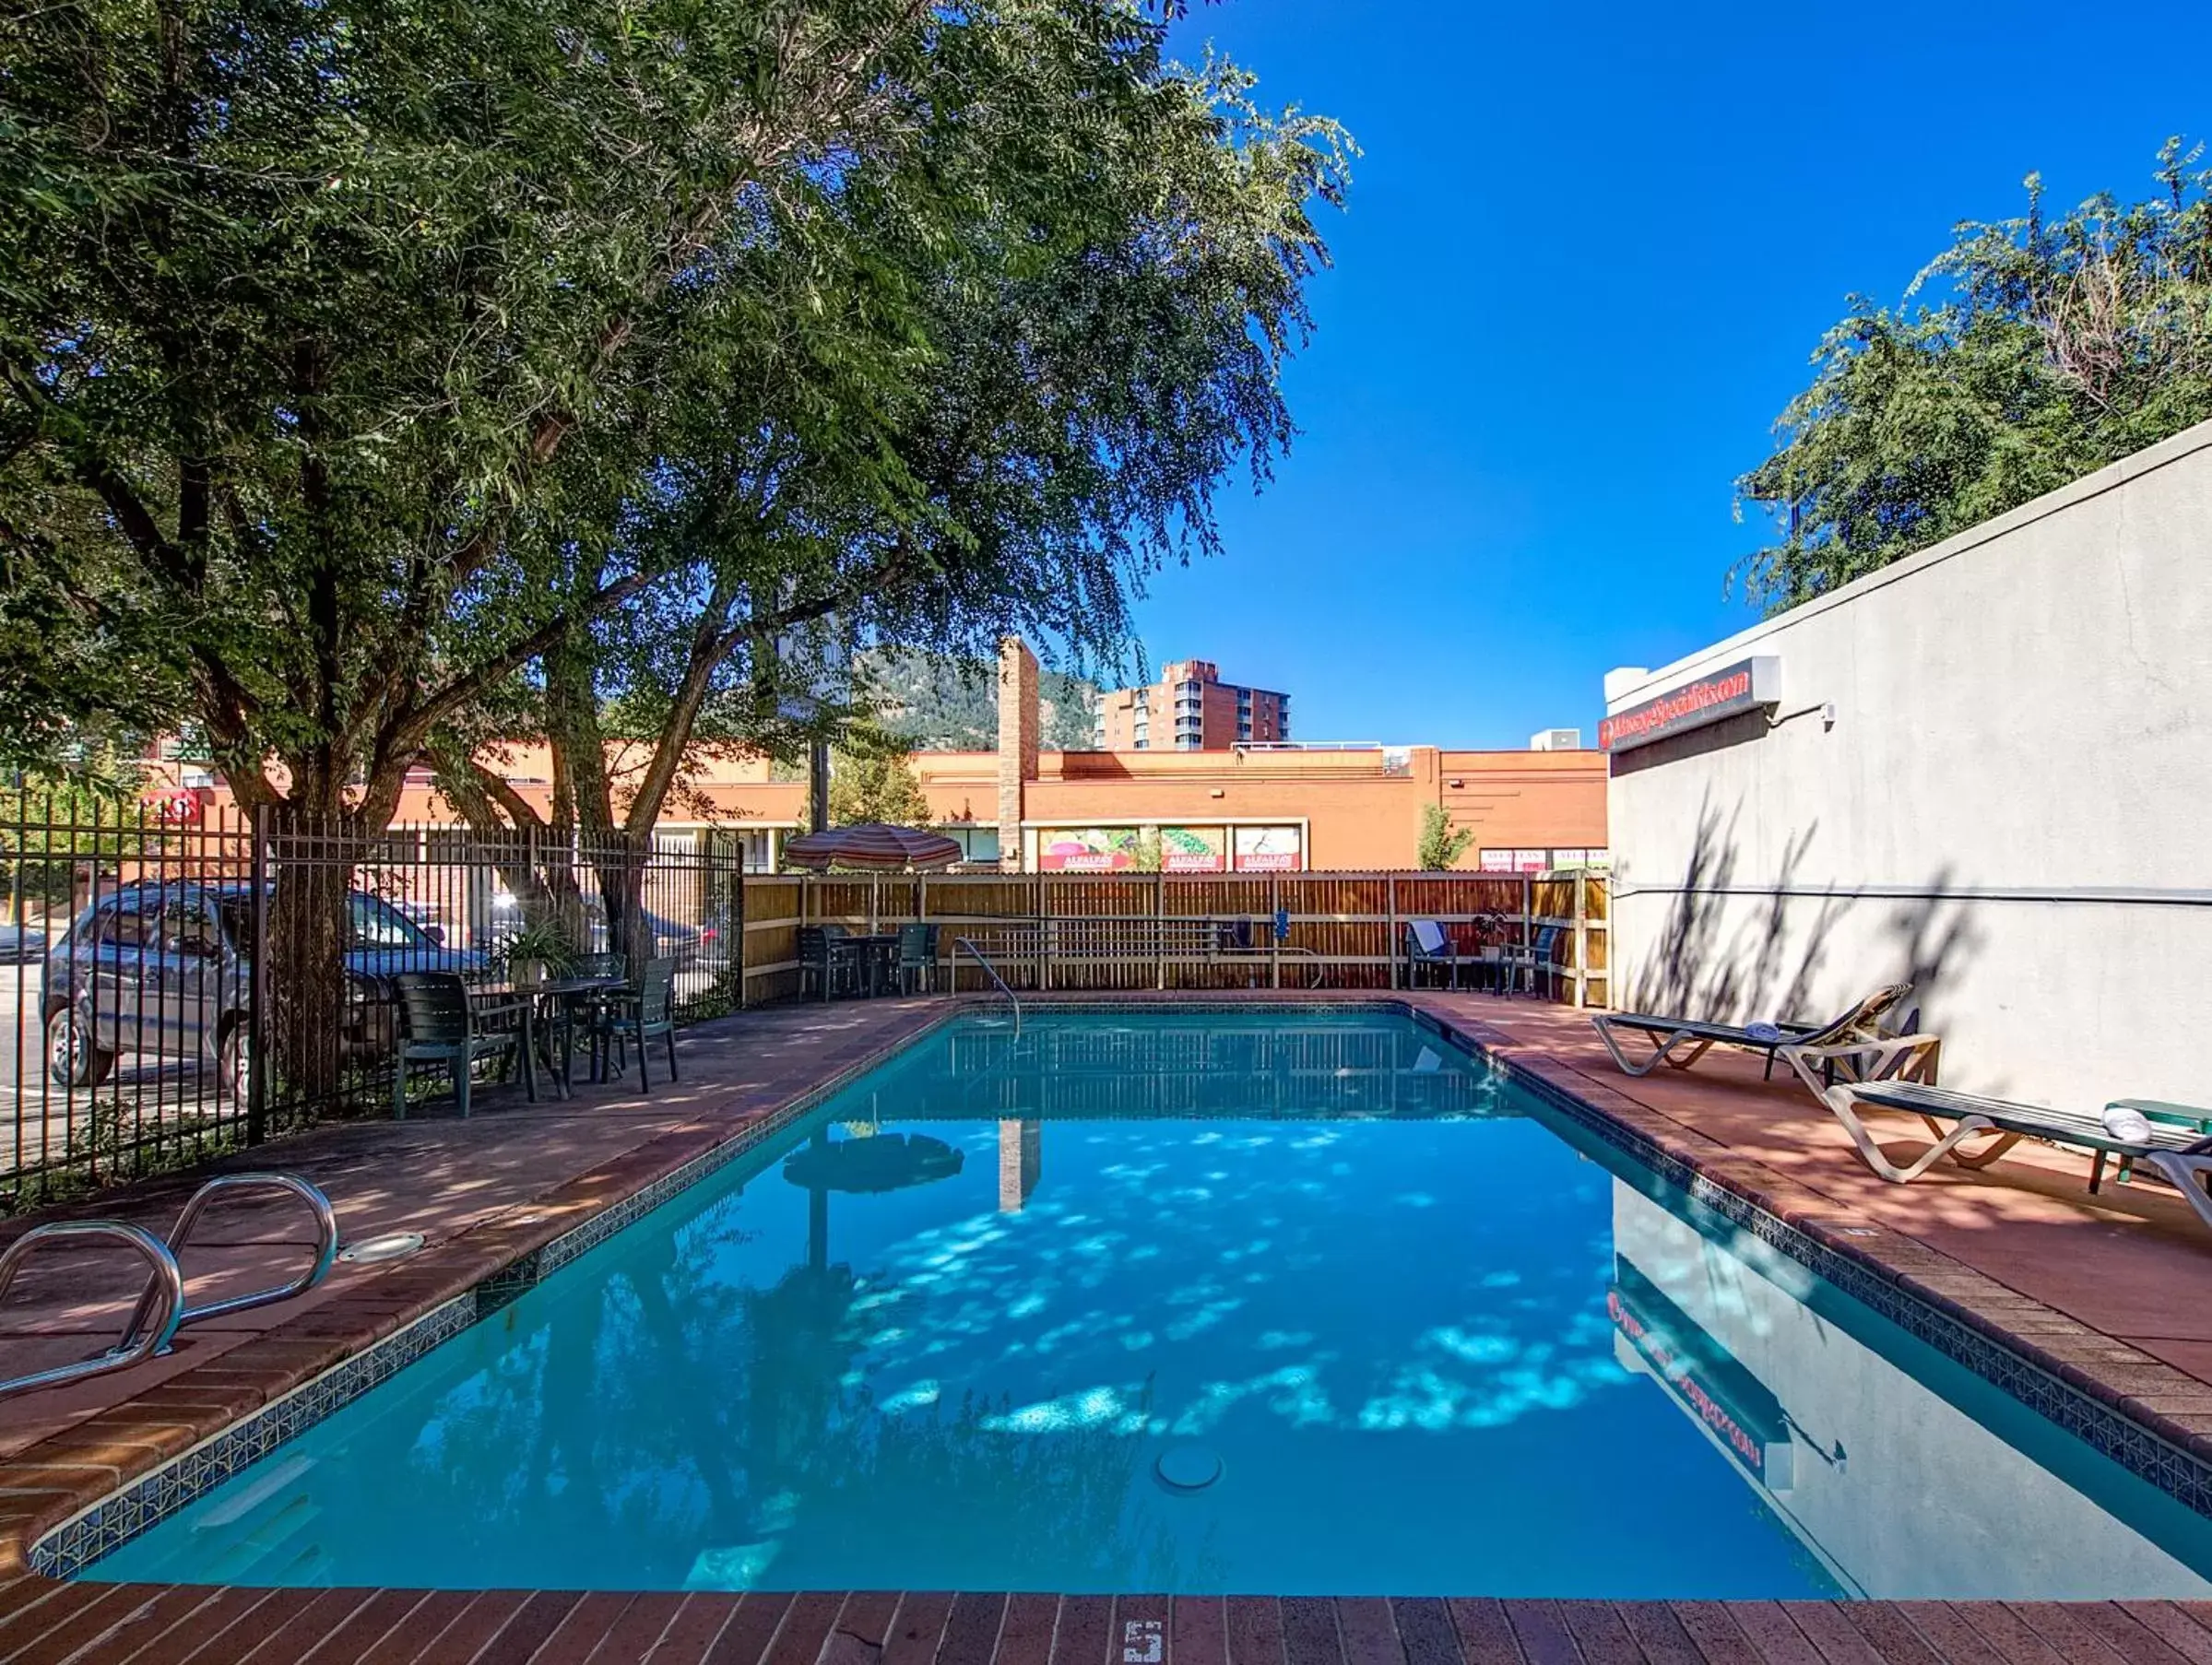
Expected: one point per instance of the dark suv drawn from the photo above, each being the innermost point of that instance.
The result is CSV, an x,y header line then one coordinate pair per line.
x,y
166,969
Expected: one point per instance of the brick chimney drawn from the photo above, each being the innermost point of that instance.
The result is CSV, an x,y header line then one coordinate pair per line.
x,y
1018,731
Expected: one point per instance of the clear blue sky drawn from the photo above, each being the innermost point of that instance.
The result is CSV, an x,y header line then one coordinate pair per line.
x,y
1588,251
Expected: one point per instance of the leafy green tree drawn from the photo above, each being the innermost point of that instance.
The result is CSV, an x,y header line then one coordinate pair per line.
x,y
1076,362
876,784
1440,845
363,362
2050,348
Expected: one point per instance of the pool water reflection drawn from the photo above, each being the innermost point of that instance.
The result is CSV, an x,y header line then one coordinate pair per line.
x,y
939,1335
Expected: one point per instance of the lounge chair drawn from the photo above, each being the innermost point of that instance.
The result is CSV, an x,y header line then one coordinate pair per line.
x,y
2177,1147
1426,944
1666,1035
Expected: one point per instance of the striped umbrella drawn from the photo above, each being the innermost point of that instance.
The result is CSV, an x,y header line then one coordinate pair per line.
x,y
875,847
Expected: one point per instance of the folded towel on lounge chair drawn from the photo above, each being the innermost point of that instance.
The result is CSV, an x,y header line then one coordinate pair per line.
x,y
2124,1121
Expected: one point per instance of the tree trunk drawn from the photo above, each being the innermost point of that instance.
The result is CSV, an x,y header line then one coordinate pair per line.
x,y
313,1028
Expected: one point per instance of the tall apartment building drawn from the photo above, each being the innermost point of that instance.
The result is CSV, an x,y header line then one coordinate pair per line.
x,y
1191,709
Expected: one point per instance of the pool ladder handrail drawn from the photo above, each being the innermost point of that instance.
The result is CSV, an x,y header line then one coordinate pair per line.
x,y
991,972
160,1310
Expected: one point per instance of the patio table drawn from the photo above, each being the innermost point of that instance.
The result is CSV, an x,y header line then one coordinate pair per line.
x,y
561,998
873,959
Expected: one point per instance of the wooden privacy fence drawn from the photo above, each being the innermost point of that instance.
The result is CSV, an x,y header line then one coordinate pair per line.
x,y
1164,930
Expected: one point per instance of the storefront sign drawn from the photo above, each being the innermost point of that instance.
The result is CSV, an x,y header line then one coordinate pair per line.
x,y
1194,850
1269,850
1745,686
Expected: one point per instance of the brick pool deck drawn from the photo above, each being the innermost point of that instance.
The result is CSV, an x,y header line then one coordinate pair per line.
x,y
2099,1290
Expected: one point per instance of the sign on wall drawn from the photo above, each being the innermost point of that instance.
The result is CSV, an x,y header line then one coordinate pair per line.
x,y
1194,850
1269,850
1088,850
1746,685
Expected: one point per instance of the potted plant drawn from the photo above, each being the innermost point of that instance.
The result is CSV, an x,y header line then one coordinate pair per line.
x,y
539,950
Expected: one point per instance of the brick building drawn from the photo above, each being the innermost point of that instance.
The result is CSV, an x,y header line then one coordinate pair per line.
x,y
1191,709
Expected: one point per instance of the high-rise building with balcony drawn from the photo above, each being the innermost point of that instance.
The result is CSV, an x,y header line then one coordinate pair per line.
x,y
1191,709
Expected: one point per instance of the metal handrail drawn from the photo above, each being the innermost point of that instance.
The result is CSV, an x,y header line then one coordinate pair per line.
x,y
991,972
140,1340
326,1245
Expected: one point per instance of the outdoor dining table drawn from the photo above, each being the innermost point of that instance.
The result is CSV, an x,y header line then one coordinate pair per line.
x,y
547,1009
874,959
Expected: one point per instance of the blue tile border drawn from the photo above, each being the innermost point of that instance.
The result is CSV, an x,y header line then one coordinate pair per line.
x,y
68,1549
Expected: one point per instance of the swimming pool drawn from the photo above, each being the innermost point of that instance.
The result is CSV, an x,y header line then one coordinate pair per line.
x,y
1186,1301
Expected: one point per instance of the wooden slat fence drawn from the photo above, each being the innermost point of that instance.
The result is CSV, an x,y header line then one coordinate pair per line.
x,y
1164,930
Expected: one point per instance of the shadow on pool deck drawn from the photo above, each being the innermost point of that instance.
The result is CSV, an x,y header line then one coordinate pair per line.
x,y
433,1174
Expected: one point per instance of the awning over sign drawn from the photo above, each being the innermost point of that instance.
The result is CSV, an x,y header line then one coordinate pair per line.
x,y
1748,685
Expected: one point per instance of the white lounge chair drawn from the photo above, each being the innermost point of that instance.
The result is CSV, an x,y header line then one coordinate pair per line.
x,y
1680,1042
2178,1148
1427,944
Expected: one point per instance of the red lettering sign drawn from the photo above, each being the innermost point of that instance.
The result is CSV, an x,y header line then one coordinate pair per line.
x,y
1724,693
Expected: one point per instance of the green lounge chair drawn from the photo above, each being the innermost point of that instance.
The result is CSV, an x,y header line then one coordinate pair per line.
x,y
2178,1147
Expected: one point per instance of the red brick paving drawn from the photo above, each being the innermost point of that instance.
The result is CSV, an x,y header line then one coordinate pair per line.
x,y
2019,1247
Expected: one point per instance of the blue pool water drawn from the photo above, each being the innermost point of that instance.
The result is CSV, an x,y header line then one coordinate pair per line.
x,y
1197,1302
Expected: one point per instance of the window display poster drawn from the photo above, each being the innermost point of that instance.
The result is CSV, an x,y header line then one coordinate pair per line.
x,y
1087,850
1269,849
1193,850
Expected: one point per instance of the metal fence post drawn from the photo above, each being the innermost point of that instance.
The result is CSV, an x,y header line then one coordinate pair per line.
x,y
258,1052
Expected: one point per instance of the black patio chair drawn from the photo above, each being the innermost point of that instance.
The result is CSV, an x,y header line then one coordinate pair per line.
x,y
822,968
639,1015
917,958
440,1024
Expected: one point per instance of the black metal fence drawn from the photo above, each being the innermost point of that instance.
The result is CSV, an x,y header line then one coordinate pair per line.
x,y
176,980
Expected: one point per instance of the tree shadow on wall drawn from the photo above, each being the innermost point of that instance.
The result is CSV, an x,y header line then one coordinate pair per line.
x,y
1759,947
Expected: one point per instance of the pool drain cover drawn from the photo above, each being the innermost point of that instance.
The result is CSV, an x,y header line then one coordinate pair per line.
x,y
391,1246
1188,1468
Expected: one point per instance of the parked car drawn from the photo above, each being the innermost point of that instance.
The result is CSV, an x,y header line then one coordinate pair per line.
x,y
167,969
22,944
671,940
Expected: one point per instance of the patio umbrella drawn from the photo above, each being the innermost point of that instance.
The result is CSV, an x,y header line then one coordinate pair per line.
x,y
873,846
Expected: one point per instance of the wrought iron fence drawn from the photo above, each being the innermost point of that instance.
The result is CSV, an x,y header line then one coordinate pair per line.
x,y
176,981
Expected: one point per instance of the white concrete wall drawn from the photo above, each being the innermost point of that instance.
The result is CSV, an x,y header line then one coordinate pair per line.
x,y
2013,805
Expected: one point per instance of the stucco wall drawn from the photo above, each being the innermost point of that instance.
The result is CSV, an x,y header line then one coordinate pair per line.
x,y
2012,806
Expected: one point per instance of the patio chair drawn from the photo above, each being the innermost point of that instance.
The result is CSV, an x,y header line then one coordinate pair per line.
x,y
440,1024
641,1014
821,967
1668,1036
2176,1145
917,958
1426,944
599,965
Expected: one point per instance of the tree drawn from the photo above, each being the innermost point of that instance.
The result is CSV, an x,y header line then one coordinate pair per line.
x,y
359,359
1440,845
876,784
1075,360
2058,345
